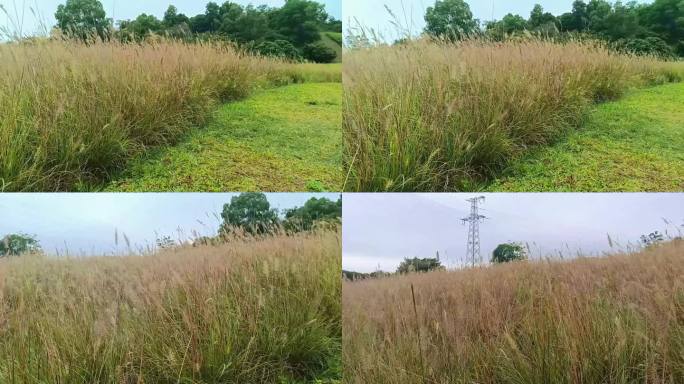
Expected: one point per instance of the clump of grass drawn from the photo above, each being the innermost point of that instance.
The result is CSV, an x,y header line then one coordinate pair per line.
x,y
617,319
249,311
438,116
73,114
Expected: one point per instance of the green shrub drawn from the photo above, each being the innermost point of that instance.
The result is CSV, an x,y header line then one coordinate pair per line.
x,y
650,46
278,48
318,52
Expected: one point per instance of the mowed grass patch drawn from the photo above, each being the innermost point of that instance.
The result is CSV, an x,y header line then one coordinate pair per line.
x,y
248,311
284,139
616,319
634,144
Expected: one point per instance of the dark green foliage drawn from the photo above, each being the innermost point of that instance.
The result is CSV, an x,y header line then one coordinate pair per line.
x,y
288,32
353,276
173,19
319,53
505,253
451,19
83,19
540,20
143,26
250,212
299,21
277,48
652,46
315,210
333,25
645,29
509,25
18,244
419,265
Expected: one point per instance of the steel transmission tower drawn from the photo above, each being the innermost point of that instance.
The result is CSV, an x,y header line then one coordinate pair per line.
x,y
473,221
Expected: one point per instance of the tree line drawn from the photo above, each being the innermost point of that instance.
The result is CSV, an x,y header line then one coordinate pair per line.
x,y
503,253
293,31
655,29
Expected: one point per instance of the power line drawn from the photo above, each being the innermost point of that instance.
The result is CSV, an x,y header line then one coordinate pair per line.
x,y
473,246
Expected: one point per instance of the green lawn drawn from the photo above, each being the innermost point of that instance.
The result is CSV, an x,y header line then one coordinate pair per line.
x,y
634,144
283,139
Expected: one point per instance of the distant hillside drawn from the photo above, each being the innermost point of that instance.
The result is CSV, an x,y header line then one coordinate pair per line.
x,y
333,40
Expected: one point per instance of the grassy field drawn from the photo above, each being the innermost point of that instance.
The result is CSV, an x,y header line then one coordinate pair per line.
x,y
283,139
634,144
433,116
249,311
617,319
75,114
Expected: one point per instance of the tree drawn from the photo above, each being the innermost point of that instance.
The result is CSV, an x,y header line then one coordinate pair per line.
x,y
250,212
18,244
299,21
166,242
313,211
142,26
508,252
450,19
666,19
651,46
318,52
247,24
83,19
173,19
652,239
577,20
419,265
541,21
510,24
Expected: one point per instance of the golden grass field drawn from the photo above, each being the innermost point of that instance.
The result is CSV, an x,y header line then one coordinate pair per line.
x,y
437,116
74,114
613,319
248,311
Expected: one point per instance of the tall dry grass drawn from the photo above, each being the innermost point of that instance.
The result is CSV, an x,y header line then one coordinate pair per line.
x,y
72,114
250,311
434,116
617,319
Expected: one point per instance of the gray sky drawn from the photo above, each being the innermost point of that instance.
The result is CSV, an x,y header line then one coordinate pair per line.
x,y
129,9
372,13
86,223
383,229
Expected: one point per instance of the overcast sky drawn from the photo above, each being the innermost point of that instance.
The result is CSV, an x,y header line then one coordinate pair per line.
x,y
372,13
129,9
86,223
382,229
